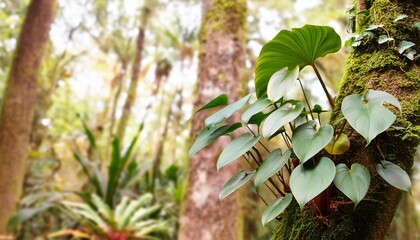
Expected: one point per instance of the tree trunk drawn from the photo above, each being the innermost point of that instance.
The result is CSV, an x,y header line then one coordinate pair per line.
x,y
222,39
371,66
17,110
135,75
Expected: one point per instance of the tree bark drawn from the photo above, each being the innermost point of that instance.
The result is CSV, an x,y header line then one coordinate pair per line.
x,y
371,66
135,75
222,40
17,110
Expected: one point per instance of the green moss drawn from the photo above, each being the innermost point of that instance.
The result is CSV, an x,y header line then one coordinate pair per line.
x,y
225,16
381,67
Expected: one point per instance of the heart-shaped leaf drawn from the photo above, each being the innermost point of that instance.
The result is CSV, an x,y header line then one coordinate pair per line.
x,y
381,97
235,182
226,112
272,164
307,183
255,108
209,134
280,117
235,149
281,82
354,182
276,207
220,100
339,145
394,175
308,141
367,115
384,39
299,47
404,45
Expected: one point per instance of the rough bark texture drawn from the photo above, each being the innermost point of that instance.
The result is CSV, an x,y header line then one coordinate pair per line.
x,y
17,110
221,64
371,66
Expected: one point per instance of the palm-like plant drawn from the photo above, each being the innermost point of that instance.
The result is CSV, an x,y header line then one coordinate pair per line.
x,y
130,219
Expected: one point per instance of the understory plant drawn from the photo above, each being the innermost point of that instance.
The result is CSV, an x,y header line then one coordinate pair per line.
x,y
111,206
130,219
305,166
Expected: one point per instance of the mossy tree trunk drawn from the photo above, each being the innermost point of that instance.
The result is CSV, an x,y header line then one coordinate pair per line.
x,y
17,109
222,61
371,66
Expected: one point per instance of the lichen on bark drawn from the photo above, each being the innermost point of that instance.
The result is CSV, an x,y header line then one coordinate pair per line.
x,y
381,67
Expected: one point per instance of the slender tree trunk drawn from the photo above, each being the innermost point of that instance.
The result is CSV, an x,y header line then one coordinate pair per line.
x,y
17,110
222,39
371,66
135,75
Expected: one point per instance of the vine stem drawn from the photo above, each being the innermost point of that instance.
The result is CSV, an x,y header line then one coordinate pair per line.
x,y
330,99
259,141
306,98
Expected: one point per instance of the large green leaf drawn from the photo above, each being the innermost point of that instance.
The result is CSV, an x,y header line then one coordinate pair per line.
x,y
226,112
394,175
235,149
272,164
235,182
308,141
209,134
255,108
113,172
276,208
367,115
281,82
280,117
299,47
354,182
306,183
220,100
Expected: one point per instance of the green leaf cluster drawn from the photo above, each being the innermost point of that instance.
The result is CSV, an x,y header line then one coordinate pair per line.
x,y
311,169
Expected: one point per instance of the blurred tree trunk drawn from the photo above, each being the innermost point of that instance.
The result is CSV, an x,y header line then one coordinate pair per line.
x,y
381,67
17,110
222,51
135,74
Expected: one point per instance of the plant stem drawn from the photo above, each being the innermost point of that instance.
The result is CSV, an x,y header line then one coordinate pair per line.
x,y
306,98
258,140
330,100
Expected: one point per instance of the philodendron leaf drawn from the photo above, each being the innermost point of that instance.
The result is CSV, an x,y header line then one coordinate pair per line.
x,y
354,182
307,140
272,164
338,145
209,134
220,100
404,45
281,82
255,108
237,181
307,183
299,47
280,117
276,208
226,112
235,149
367,115
384,39
394,175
